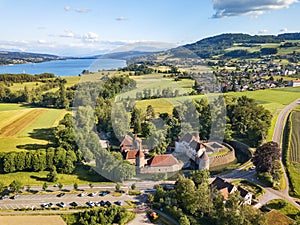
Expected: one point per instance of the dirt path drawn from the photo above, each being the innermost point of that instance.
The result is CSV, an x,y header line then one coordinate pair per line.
x,y
14,128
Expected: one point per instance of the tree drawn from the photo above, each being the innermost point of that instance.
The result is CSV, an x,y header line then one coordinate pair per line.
x,y
148,128
265,157
62,101
75,186
15,186
52,175
60,186
91,185
133,186
184,220
118,187
45,186
200,177
150,112
136,121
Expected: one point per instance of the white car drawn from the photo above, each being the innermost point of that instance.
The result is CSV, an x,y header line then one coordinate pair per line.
x,y
94,194
83,194
61,204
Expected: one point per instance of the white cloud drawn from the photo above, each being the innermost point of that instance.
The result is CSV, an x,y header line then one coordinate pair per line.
x,y
121,18
90,36
264,31
82,10
229,8
68,8
67,34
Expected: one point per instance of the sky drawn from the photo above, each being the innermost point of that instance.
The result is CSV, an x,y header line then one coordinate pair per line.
x,y
88,27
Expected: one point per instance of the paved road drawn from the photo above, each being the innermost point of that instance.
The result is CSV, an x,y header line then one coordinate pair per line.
x,y
251,174
277,137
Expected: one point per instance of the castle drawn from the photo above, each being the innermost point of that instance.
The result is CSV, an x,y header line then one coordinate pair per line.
x,y
203,154
132,151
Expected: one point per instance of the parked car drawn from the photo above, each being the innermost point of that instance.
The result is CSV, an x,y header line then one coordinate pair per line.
x,y
108,203
252,168
93,194
50,205
102,203
61,204
74,204
119,203
90,203
104,193
60,194
44,205
82,194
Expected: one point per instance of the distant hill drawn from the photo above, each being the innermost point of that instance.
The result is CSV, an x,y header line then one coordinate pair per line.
x,y
124,55
216,45
7,57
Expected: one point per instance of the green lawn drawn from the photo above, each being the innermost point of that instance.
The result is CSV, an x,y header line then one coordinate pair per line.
x,y
80,176
284,207
11,106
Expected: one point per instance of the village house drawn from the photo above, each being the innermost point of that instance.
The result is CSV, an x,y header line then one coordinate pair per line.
x,y
227,188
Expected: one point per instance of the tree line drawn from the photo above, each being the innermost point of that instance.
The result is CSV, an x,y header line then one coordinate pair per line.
x,y
39,160
105,216
20,78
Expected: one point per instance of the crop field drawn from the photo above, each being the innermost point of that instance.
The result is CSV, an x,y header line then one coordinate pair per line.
x,y
23,128
295,137
33,220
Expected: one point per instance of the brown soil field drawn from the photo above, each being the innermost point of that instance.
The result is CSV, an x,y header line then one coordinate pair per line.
x,y
31,220
16,126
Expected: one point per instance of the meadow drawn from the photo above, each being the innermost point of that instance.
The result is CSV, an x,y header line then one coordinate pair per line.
x,y
25,128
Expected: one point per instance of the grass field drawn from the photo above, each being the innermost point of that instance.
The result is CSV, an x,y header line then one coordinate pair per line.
x,y
32,220
81,175
284,207
26,128
277,218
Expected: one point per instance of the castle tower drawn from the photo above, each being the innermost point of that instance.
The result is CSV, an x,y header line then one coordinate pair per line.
x,y
140,159
204,161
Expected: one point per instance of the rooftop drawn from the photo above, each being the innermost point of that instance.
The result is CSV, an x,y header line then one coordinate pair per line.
x,y
162,160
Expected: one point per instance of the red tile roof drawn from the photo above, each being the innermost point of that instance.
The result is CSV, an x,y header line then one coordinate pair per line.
x,y
162,160
131,154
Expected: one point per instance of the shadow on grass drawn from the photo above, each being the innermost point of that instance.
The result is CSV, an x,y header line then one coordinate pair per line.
x,y
39,178
83,173
45,134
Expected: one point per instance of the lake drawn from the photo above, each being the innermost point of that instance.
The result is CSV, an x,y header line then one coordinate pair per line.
x,y
69,67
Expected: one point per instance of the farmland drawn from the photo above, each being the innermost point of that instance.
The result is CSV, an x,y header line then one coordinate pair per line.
x,y
28,128
24,220
272,99
295,137
294,153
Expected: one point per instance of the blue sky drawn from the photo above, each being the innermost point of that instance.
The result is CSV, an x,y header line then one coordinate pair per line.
x,y
77,27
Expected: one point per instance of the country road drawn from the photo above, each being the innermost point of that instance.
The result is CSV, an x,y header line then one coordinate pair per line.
x,y
277,137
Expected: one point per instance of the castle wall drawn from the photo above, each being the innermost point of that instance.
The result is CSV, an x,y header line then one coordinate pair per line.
x,y
161,169
222,159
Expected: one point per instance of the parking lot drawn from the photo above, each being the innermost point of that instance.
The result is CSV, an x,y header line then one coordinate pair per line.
x,y
34,201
